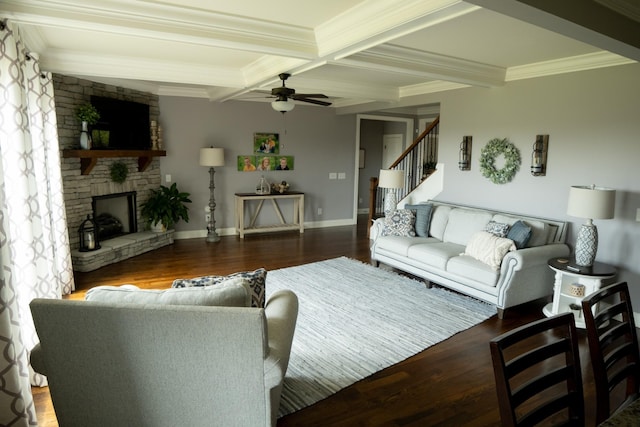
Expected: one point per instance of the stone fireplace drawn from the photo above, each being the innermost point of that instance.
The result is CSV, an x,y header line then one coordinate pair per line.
x,y
82,191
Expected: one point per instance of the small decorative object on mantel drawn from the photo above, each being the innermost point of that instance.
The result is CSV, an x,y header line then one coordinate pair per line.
x,y
88,115
160,141
495,148
263,186
281,188
154,135
88,235
118,172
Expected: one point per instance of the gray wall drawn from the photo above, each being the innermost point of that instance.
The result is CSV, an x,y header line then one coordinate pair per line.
x,y
320,141
591,117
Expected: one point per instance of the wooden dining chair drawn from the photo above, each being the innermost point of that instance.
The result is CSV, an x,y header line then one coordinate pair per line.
x,y
537,372
613,345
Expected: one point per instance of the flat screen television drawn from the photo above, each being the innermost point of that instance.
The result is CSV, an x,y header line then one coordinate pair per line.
x,y
123,125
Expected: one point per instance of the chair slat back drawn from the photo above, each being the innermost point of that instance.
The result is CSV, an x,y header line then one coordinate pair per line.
x,y
537,372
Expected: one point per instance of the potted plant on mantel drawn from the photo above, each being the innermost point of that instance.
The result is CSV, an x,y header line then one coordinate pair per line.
x,y
88,115
165,207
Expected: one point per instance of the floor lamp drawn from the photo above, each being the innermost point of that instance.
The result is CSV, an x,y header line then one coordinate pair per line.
x,y
212,157
391,179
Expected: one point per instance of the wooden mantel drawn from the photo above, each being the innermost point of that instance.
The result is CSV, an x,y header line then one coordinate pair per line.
x,y
89,158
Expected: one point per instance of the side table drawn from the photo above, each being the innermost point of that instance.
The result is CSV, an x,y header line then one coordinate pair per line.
x,y
572,283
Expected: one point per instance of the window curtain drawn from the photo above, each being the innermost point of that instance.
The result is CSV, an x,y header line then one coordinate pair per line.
x,y
35,259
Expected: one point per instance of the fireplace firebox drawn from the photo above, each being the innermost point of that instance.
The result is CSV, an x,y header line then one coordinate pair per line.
x,y
115,214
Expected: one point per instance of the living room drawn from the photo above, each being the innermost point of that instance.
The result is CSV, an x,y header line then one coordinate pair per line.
x,y
589,114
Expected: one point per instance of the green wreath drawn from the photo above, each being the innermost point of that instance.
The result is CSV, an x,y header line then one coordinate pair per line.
x,y
488,155
119,172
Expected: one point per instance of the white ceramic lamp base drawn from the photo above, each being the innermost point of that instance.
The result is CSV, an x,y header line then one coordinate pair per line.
x,y
586,245
390,202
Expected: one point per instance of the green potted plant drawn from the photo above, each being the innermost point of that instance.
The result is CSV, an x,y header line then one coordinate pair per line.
x,y
87,113
165,207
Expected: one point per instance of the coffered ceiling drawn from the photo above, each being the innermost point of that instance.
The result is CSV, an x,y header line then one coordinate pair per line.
x,y
363,54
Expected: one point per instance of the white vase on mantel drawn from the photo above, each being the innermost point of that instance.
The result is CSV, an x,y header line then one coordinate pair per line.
x,y
85,141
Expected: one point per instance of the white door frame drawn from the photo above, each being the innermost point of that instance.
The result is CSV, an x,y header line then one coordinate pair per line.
x,y
410,135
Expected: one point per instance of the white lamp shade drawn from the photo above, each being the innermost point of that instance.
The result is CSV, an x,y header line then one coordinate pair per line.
x,y
591,202
212,156
283,106
391,178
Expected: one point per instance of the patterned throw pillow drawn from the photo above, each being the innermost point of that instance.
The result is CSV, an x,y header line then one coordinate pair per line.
x,y
256,280
520,233
423,218
400,223
497,228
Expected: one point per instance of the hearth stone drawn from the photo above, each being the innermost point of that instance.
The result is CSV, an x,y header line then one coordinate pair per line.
x,y
120,248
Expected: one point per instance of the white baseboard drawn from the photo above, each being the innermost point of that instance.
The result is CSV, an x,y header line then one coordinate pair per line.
x,y
195,234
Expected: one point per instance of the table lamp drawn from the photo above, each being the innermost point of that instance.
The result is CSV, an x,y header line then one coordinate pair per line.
x,y
589,202
212,157
391,179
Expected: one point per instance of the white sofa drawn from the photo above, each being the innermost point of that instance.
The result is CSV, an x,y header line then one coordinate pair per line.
x,y
442,256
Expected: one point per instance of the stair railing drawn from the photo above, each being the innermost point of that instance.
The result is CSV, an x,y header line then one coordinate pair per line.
x,y
418,161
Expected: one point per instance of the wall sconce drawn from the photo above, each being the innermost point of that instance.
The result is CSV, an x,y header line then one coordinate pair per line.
x,y
464,161
539,156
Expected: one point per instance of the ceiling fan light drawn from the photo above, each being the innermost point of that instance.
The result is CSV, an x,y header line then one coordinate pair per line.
x,y
283,106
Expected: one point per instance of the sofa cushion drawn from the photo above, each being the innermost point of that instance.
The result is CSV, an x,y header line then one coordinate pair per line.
x,y
433,254
463,223
476,271
489,248
539,229
520,233
231,293
499,229
423,218
400,223
400,245
439,219
254,280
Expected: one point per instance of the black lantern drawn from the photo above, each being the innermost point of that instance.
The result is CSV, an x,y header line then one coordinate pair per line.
x,y
88,234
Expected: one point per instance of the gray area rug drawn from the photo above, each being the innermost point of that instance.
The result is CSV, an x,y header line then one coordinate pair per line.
x,y
355,319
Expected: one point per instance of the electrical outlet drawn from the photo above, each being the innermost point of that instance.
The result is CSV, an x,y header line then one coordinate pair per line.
x,y
319,211
167,178
342,175
207,218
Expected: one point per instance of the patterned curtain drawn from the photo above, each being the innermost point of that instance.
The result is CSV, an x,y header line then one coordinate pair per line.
x,y
35,260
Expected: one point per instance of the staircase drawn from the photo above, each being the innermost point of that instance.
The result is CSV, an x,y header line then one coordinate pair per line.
x,y
418,162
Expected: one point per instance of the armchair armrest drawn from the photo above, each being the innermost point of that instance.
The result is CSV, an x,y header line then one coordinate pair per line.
x,y
37,361
281,312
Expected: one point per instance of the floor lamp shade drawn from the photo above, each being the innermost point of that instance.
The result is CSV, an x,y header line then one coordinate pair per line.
x,y
589,202
390,179
212,157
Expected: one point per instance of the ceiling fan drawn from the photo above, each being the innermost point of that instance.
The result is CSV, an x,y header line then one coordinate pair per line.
x,y
284,95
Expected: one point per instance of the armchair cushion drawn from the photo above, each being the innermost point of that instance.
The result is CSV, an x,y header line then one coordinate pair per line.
x,y
231,293
256,281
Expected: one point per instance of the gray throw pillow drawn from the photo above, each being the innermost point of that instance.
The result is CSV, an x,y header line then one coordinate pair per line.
x,y
232,293
520,233
256,282
423,218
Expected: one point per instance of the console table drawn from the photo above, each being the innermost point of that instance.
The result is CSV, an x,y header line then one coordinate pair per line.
x,y
297,222
569,277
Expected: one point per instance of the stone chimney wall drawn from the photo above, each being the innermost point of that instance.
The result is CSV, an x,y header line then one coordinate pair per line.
x,y
70,92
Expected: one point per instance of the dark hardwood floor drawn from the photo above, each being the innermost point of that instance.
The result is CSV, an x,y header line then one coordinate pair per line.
x,y
449,384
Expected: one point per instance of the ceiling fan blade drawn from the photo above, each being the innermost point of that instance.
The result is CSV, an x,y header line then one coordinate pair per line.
x,y
313,101
309,95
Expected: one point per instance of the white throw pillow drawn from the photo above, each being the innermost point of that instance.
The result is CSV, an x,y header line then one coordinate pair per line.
x,y
489,248
231,293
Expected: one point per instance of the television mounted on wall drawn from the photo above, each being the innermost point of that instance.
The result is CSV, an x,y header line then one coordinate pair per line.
x,y
123,125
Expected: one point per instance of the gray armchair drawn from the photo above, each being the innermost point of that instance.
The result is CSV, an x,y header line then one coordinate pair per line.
x,y
123,364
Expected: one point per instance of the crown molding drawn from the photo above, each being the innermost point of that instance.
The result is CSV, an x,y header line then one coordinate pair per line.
x,y
585,62
433,66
